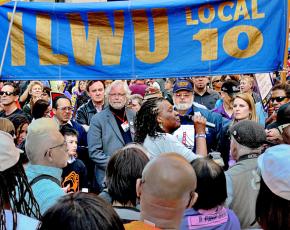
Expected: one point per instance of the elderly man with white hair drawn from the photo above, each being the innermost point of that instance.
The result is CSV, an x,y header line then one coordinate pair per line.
x,y
110,129
46,150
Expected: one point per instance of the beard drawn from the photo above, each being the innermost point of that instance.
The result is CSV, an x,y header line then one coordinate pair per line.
x,y
183,106
118,106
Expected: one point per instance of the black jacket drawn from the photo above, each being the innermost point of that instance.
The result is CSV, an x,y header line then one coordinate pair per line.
x,y
85,113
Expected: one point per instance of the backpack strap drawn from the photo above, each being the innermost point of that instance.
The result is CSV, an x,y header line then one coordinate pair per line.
x,y
44,176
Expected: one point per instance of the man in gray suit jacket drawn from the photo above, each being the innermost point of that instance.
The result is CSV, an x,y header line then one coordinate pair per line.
x,y
110,129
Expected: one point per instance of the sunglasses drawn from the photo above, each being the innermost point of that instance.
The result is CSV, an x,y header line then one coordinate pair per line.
x,y
278,99
6,93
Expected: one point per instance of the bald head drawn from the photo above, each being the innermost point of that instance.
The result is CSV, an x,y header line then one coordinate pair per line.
x,y
169,176
166,190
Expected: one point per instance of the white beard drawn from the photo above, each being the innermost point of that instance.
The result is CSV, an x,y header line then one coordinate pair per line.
x,y
183,106
118,105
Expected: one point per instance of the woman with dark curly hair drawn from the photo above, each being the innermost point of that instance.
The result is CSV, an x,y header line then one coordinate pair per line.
x,y
14,186
157,120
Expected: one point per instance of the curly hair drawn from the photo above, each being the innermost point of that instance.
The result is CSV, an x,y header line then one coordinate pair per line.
x,y
146,120
16,191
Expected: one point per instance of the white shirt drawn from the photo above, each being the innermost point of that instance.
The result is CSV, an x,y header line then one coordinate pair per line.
x,y
166,143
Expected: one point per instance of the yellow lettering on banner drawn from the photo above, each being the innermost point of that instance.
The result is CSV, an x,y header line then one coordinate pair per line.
x,y
255,14
99,29
43,34
221,13
241,10
189,20
161,36
201,14
209,43
230,41
18,57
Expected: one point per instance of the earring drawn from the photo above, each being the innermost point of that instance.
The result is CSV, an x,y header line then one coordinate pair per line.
x,y
161,126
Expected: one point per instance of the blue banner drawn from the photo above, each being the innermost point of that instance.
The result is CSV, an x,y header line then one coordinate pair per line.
x,y
143,39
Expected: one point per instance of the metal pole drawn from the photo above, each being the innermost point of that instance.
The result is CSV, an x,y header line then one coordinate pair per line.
x,y
7,38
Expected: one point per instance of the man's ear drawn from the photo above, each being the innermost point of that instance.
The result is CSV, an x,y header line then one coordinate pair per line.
x,y
193,200
54,110
138,187
49,156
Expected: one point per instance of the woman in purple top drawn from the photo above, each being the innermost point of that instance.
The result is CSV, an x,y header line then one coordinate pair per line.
x,y
208,212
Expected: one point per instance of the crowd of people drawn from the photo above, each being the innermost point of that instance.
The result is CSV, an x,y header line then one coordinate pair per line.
x,y
185,153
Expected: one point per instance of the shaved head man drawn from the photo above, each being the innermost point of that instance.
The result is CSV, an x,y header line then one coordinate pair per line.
x,y
166,189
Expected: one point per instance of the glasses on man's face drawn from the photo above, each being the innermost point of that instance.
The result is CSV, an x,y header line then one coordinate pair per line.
x,y
117,94
66,108
186,95
6,93
63,145
278,99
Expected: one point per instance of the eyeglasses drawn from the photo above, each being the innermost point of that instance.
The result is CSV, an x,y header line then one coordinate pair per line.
x,y
6,93
278,99
66,108
216,81
58,146
117,94
182,95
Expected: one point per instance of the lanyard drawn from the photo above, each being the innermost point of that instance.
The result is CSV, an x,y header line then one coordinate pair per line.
x,y
121,119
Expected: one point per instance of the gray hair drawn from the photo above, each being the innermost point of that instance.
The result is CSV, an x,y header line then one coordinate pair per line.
x,y
244,150
118,83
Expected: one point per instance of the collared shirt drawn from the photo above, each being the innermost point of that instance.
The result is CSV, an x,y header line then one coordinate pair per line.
x,y
208,99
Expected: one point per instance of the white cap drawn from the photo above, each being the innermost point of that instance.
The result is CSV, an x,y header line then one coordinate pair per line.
x,y
274,164
9,154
